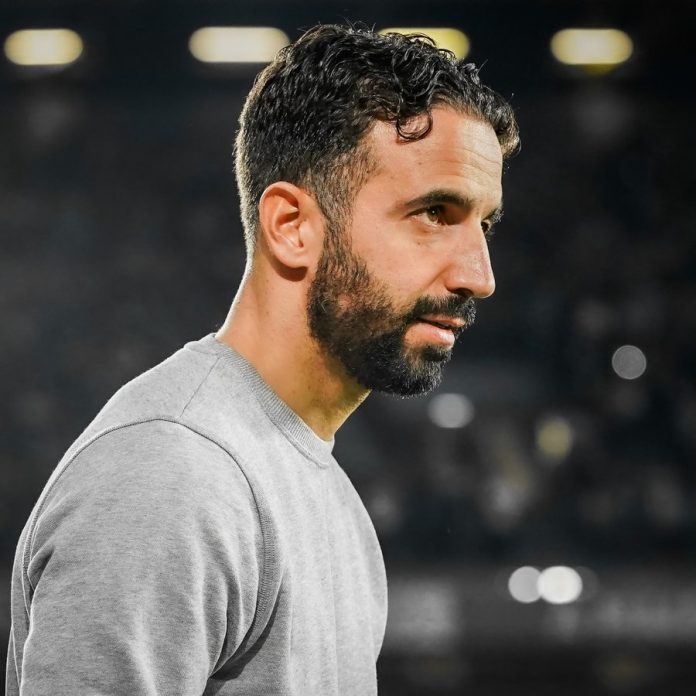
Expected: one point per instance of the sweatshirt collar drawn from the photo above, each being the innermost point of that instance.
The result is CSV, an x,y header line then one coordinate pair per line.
x,y
284,418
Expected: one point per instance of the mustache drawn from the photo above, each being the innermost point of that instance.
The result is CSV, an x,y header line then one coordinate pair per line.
x,y
454,307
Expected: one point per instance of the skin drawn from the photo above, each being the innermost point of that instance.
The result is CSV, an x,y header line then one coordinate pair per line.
x,y
419,223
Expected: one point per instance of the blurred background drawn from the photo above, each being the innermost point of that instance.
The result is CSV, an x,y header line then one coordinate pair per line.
x,y
537,513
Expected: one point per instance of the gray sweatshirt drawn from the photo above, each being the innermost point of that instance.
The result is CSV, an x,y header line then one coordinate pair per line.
x,y
197,538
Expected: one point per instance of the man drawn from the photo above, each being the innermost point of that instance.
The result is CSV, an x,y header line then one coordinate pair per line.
x,y
198,537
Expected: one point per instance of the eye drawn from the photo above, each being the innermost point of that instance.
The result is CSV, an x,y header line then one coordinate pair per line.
x,y
487,227
435,214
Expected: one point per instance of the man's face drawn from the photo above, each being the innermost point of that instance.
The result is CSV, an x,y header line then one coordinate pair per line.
x,y
393,291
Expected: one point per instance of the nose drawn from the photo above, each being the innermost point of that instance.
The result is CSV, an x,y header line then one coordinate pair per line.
x,y
471,272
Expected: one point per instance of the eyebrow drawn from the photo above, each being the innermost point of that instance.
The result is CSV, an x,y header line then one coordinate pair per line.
x,y
440,196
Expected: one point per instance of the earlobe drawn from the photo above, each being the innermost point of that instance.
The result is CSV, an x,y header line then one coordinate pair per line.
x,y
288,217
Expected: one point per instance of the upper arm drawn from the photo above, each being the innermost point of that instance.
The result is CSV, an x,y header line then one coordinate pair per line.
x,y
145,563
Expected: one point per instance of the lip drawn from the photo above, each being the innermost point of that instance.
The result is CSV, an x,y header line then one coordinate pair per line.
x,y
432,333
446,322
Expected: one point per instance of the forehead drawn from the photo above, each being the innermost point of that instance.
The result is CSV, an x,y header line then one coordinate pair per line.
x,y
460,152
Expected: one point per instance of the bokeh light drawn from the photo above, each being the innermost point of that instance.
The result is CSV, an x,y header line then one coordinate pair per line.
x,y
450,410
591,46
43,47
237,44
629,362
444,37
554,437
560,585
523,584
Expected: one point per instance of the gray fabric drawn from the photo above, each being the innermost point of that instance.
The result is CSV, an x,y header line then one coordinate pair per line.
x,y
197,538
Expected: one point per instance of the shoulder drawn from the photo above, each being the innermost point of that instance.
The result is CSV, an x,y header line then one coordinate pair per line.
x,y
154,449
156,476
166,388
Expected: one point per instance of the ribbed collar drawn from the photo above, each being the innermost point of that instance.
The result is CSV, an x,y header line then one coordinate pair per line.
x,y
284,418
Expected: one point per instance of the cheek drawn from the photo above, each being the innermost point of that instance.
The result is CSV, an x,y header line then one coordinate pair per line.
x,y
382,247
405,261
409,271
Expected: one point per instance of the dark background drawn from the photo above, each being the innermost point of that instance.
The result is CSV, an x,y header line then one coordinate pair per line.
x,y
120,241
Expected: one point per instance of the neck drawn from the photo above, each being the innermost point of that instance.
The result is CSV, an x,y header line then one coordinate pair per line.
x,y
269,329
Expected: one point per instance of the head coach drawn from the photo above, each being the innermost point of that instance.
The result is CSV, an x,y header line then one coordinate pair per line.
x,y
198,537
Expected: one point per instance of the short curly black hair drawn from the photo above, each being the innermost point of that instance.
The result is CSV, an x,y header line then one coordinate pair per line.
x,y
308,110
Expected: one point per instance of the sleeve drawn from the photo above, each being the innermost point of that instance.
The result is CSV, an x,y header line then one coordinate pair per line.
x,y
145,565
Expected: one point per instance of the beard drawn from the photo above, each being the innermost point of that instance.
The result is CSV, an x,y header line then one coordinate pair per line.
x,y
353,319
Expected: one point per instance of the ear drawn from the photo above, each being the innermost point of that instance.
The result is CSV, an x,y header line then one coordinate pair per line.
x,y
292,225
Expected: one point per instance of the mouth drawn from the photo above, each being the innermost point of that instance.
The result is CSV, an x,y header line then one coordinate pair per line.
x,y
453,324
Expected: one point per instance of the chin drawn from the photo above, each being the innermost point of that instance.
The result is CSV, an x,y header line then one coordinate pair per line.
x,y
408,376
431,353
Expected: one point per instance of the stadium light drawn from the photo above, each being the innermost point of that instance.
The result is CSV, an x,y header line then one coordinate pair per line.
x,y
451,39
591,47
237,44
43,47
